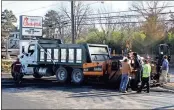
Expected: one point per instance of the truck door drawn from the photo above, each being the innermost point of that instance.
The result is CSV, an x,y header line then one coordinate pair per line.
x,y
32,54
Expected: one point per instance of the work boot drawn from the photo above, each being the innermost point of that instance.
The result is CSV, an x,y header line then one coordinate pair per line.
x,y
124,92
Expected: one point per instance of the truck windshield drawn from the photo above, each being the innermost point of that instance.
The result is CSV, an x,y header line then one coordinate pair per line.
x,y
98,50
98,53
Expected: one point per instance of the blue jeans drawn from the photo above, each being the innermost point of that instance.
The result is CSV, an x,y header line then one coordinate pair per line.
x,y
124,82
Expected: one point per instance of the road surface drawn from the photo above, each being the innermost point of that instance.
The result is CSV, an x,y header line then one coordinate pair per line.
x,y
82,98
49,95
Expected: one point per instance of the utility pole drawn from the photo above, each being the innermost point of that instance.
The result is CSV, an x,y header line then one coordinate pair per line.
x,y
72,21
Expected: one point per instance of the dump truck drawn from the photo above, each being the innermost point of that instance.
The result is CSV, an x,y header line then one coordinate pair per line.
x,y
70,62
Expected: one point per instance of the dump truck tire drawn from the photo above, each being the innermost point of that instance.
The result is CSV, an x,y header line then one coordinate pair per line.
x,y
77,76
37,76
62,75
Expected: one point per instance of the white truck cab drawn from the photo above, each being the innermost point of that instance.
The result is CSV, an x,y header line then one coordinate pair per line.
x,y
28,55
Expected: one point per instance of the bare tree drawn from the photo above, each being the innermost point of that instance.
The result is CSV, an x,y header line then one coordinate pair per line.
x,y
54,25
171,23
81,11
154,26
107,22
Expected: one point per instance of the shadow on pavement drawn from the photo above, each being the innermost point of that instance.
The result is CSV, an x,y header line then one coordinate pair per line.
x,y
165,107
104,94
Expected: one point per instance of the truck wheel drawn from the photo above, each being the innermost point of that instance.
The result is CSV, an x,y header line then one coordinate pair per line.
x,y
36,73
62,74
37,76
77,76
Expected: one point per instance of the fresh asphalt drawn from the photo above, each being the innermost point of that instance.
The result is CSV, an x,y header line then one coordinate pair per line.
x,y
47,93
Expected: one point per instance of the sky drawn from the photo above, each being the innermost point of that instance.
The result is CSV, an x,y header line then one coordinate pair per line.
x,y
39,8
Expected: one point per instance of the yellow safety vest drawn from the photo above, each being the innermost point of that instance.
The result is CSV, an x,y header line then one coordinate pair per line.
x,y
146,70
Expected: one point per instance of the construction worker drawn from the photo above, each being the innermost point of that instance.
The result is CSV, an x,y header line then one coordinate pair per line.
x,y
145,76
165,69
125,70
137,67
16,70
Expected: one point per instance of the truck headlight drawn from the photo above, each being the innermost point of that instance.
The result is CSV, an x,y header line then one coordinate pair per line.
x,y
85,69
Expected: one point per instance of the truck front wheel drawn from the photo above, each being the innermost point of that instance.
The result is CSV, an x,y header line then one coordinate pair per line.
x,y
37,76
77,76
62,74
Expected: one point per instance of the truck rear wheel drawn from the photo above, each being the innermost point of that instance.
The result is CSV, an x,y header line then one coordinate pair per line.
x,y
62,74
77,76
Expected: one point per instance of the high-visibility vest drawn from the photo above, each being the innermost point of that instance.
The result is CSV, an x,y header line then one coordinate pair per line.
x,y
146,70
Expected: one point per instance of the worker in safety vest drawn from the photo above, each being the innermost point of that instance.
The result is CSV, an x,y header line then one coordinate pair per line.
x,y
145,76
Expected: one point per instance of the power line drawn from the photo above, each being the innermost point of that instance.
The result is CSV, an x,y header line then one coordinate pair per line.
x,y
100,13
131,22
129,10
123,11
91,14
114,17
125,16
120,12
